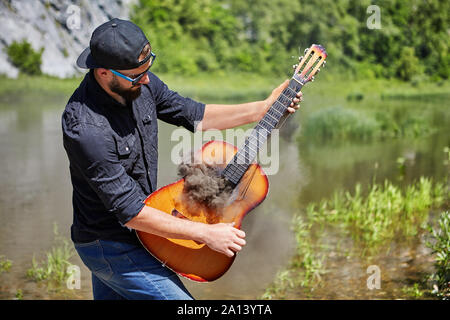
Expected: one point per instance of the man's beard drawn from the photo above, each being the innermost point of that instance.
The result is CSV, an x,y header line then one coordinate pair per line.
x,y
129,94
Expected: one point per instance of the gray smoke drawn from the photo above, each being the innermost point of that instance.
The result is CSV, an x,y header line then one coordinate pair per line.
x,y
204,186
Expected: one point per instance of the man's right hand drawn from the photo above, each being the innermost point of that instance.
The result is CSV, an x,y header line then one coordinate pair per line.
x,y
224,238
221,237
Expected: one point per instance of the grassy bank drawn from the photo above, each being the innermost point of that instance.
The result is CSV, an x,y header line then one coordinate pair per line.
x,y
363,225
376,109
10,88
240,87
49,275
334,108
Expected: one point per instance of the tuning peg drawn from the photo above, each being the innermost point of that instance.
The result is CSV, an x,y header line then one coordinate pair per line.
x,y
318,70
306,50
323,64
295,66
312,79
300,58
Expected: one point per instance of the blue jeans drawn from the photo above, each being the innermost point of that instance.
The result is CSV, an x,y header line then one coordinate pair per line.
x,y
125,271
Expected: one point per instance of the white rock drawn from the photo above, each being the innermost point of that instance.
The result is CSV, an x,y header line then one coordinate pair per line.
x,y
62,27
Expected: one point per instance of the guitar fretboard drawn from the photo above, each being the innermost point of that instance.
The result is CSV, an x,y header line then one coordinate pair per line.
x,y
241,161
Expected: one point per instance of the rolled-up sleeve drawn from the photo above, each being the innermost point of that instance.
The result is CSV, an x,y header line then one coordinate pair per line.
x,y
173,108
92,151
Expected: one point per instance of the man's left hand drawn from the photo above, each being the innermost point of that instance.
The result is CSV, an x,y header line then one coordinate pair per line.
x,y
295,104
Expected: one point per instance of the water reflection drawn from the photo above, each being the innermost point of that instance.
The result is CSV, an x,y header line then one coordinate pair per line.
x,y
340,165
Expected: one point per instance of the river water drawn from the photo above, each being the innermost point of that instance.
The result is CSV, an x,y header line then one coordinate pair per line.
x,y
35,194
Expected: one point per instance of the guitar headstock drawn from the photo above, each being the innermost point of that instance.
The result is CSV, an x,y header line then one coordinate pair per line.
x,y
310,63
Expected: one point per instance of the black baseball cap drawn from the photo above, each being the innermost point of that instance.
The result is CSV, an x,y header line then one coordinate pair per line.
x,y
116,44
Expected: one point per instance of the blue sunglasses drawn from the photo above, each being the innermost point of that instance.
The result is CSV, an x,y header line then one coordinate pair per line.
x,y
139,76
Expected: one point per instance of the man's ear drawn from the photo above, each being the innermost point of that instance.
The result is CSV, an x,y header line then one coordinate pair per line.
x,y
102,72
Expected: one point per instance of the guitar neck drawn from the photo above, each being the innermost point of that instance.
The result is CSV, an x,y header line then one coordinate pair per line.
x,y
273,118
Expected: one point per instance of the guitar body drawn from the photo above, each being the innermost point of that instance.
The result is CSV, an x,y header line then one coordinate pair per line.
x,y
189,258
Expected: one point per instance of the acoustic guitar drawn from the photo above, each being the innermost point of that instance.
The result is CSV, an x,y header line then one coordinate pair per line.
x,y
244,177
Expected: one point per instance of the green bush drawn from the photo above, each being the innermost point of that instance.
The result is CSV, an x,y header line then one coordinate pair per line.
x,y
23,56
334,123
340,123
408,64
441,248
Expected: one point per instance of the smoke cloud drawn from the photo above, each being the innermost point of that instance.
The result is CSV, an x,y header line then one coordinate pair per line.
x,y
204,188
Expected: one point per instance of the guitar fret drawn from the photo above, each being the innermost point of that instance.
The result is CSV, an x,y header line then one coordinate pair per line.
x,y
279,110
240,169
270,121
286,99
254,152
297,87
263,129
252,149
255,144
250,140
240,161
235,174
264,121
272,114
294,92
288,92
240,156
289,98
268,113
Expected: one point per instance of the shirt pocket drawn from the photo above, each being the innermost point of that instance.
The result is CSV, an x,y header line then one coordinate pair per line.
x,y
127,152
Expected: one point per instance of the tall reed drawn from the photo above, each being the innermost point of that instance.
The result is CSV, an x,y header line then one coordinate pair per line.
x,y
54,268
372,219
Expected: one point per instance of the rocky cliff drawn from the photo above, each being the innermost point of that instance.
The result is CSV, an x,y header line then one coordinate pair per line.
x,y
62,27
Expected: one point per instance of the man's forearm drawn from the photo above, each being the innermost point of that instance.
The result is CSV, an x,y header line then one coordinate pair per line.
x,y
220,116
221,237
154,221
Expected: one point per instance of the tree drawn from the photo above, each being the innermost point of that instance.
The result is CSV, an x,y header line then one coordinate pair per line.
x,y
24,57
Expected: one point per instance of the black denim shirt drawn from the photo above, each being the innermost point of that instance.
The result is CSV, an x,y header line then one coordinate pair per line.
x,y
113,153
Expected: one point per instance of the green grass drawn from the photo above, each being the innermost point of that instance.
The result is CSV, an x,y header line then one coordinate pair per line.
x,y
374,109
53,269
414,291
340,123
383,213
19,294
373,219
243,86
5,264
305,269
11,88
343,123
440,244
